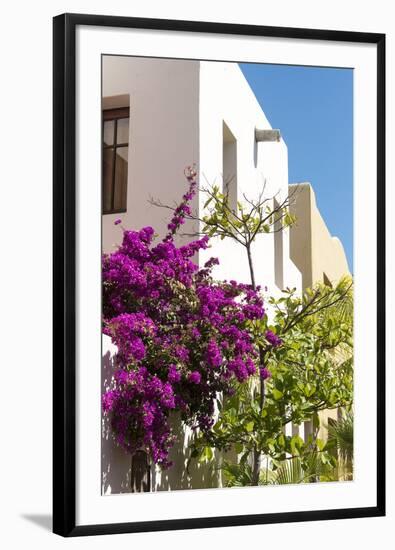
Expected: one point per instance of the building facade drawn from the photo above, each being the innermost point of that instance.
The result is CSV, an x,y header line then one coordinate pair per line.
x,y
159,116
319,256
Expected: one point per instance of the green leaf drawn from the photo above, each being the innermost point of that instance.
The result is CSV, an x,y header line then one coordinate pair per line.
x,y
277,394
309,389
249,426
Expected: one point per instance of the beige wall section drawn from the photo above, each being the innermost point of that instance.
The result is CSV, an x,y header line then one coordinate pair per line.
x,y
316,253
319,256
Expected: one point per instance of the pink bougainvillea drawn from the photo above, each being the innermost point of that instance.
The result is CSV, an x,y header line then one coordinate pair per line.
x,y
182,337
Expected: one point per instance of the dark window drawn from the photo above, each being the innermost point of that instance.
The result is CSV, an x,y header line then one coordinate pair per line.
x,y
115,159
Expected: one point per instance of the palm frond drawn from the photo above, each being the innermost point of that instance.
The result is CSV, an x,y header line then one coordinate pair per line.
x,y
290,472
341,435
296,470
237,475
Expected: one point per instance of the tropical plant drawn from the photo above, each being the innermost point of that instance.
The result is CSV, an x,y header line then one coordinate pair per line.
x,y
299,352
303,377
341,438
312,466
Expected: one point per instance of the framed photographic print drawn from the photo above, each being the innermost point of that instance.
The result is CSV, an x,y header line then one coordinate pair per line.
x,y
219,274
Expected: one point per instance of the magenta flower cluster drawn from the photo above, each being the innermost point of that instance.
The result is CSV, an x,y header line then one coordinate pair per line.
x,y
183,209
181,336
273,339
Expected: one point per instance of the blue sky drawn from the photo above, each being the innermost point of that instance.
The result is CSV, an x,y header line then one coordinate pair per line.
x,y
312,106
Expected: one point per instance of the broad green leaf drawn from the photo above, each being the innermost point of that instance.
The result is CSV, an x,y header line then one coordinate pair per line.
x,y
277,394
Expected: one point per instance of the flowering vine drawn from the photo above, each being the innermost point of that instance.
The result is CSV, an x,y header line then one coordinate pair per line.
x,y
182,337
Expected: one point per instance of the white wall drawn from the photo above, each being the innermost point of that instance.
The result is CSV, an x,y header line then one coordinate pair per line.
x,y
226,97
177,111
163,136
25,460
116,463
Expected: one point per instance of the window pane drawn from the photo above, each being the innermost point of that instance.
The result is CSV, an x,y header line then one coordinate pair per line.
x,y
108,132
121,178
123,130
107,178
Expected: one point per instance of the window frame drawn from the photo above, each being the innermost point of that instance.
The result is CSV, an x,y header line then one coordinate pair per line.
x,y
113,114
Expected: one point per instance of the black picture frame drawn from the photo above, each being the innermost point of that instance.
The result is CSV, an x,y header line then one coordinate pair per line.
x,y
64,273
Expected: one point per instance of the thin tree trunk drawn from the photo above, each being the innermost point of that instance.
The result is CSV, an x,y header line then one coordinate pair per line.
x,y
256,467
251,266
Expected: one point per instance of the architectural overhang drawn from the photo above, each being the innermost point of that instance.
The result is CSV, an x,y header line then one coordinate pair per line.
x,y
267,135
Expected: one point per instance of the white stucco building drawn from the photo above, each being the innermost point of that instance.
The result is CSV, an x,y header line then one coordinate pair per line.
x,y
180,113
